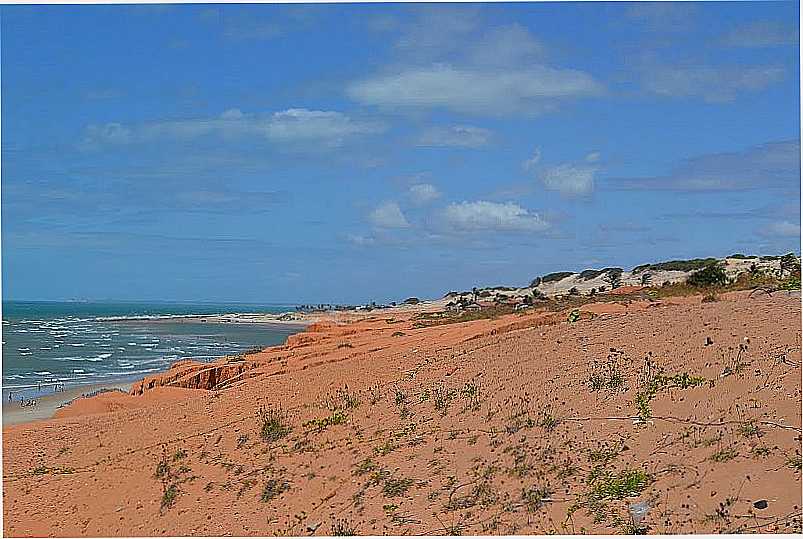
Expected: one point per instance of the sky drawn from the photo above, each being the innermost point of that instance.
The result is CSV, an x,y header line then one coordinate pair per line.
x,y
354,153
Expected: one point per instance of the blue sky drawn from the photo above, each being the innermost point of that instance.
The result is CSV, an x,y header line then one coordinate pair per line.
x,y
349,153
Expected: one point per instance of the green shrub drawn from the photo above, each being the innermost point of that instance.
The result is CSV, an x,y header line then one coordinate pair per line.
x,y
711,275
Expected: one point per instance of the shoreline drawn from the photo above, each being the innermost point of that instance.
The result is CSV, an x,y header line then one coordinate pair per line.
x,y
47,405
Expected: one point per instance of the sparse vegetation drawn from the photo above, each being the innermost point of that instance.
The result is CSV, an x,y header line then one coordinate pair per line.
x,y
535,497
725,454
653,380
607,374
273,488
396,487
343,527
273,424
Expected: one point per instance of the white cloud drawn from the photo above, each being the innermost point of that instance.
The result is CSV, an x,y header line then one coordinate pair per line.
x,y
388,215
458,136
593,157
483,215
713,84
329,128
761,34
533,161
570,179
531,89
782,228
303,124
423,193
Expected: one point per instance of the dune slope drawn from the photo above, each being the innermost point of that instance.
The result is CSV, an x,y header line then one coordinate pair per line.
x,y
521,424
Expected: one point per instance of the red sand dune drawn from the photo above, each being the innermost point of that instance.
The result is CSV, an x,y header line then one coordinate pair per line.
x,y
482,427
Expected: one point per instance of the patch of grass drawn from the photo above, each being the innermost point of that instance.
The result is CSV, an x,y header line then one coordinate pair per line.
x,y
794,462
442,398
171,478
385,449
749,429
725,454
365,466
535,497
710,298
338,417
273,424
609,486
761,451
169,496
342,527
43,470
607,374
396,487
273,488
398,334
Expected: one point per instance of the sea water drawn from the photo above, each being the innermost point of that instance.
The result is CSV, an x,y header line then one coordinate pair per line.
x,y
48,345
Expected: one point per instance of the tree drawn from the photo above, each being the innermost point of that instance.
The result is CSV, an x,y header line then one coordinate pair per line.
x,y
614,278
573,291
646,279
474,293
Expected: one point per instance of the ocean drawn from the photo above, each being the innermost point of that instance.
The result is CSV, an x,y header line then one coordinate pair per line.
x,y
47,344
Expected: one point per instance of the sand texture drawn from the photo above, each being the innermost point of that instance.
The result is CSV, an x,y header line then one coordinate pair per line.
x,y
388,423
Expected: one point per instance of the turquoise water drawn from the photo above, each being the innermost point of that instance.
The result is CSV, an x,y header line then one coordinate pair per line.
x,y
46,344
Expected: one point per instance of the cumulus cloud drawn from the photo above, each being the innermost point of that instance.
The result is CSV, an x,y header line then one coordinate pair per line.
x,y
457,136
570,179
423,193
714,84
388,215
532,89
761,34
770,165
330,128
493,216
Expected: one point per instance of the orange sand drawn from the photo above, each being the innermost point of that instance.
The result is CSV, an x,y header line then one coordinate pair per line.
x,y
483,427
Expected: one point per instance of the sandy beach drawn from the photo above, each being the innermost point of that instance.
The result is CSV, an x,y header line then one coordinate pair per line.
x,y
405,422
47,405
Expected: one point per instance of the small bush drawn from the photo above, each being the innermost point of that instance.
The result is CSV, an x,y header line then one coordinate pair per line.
x,y
273,427
343,528
169,496
273,488
396,487
711,275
